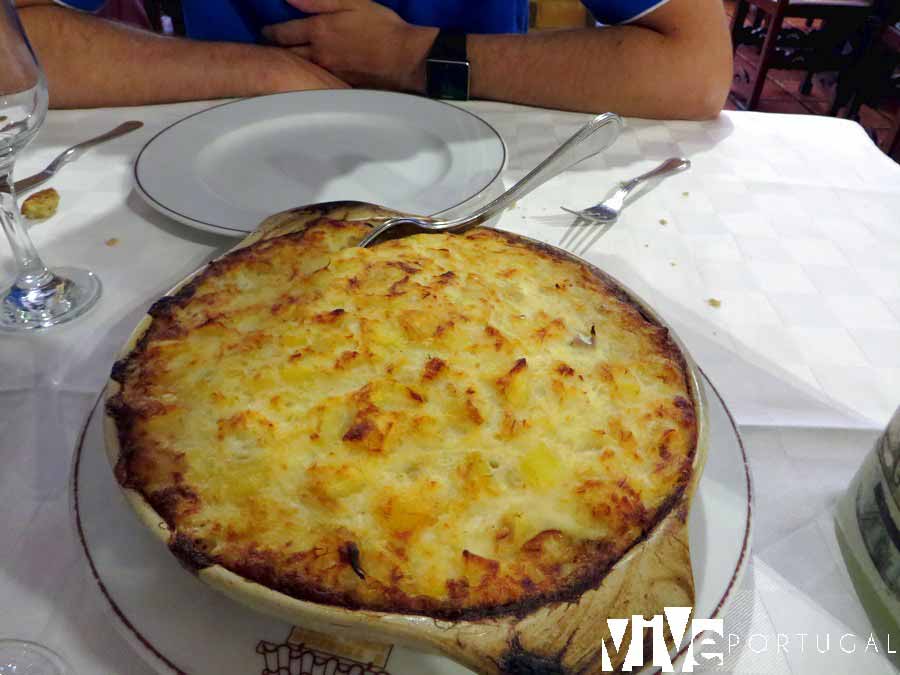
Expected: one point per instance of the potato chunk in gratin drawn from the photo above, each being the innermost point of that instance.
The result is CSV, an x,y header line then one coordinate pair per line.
x,y
452,425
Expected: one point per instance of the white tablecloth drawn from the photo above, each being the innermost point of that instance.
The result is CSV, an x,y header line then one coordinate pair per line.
x,y
792,222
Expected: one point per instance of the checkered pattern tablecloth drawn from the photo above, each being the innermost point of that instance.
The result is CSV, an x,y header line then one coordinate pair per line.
x,y
792,223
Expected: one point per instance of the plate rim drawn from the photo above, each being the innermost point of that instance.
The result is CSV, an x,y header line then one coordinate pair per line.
x,y
136,640
235,232
155,658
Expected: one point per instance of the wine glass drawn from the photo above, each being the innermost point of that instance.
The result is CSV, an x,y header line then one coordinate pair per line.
x,y
38,297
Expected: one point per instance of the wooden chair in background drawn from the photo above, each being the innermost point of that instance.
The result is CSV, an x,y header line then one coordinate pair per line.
x,y
841,16
874,79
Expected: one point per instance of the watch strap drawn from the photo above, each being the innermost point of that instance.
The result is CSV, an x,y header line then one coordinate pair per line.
x,y
449,46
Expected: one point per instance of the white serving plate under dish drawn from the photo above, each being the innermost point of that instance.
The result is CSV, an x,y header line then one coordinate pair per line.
x,y
178,624
226,168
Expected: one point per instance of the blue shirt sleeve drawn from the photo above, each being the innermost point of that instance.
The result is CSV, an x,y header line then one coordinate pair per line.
x,y
621,11
83,5
240,20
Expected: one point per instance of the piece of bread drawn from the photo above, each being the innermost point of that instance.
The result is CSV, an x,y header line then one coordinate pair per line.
x,y
41,204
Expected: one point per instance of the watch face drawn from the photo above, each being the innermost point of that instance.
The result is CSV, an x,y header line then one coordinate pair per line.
x,y
448,79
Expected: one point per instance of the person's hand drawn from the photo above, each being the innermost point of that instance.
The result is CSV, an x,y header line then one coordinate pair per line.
x,y
360,41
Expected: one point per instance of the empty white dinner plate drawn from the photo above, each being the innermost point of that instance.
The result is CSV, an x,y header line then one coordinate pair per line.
x,y
178,624
227,168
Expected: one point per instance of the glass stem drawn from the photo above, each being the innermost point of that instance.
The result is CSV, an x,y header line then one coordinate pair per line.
x,y
31,271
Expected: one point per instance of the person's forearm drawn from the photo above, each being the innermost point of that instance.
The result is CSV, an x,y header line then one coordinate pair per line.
x,y
92,62
635,70
632,70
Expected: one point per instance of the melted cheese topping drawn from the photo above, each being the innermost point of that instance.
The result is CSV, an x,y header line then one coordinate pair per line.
x,y
440,424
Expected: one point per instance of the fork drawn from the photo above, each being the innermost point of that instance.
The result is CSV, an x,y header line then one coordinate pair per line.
x,y
607,212
73,153
593,137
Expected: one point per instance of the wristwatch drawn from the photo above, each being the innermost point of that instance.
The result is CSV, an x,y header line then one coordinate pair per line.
x,y
447,67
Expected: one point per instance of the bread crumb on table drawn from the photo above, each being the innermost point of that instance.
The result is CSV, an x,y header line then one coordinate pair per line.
x,y
41,204
685,194
714,302
663,221
112,241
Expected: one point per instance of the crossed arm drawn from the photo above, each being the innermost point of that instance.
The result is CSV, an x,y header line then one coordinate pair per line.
x,y
675,62
92,62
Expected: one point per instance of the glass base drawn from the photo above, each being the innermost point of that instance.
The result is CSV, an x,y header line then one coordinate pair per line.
x,y
18,657
69,293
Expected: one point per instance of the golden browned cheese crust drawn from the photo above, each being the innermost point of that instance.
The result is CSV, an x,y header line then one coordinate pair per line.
x,y
453,425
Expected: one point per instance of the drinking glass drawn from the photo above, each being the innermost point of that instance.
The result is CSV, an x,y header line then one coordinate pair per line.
x,y
38,297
